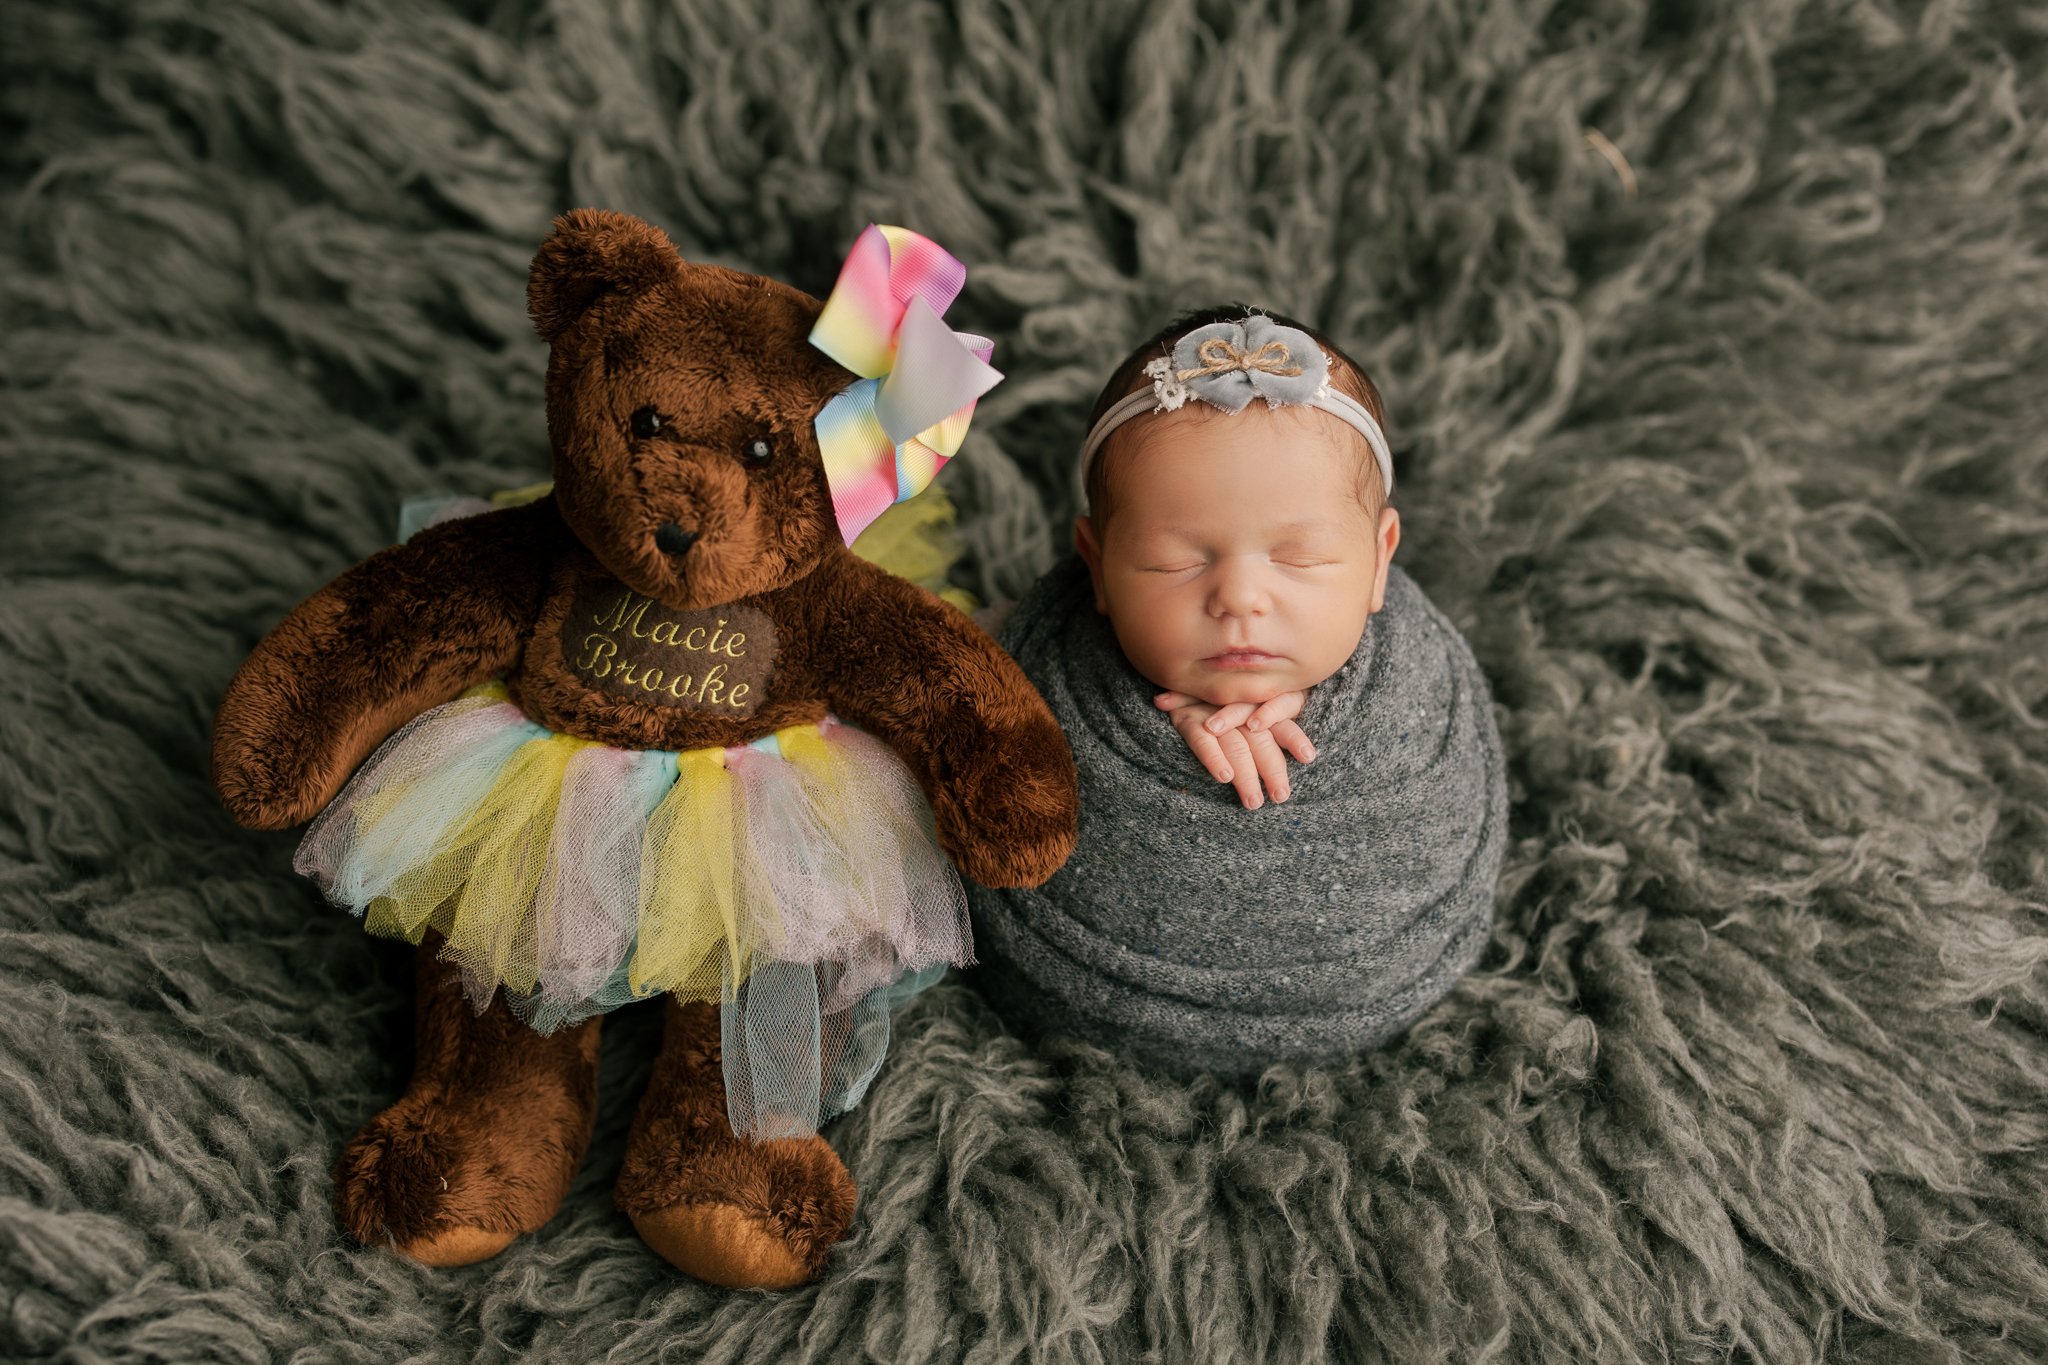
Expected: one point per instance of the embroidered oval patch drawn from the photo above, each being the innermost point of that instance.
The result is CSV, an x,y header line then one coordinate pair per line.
x,y
715,659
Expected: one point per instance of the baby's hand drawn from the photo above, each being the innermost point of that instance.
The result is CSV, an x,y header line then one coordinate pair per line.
x,y
1242,743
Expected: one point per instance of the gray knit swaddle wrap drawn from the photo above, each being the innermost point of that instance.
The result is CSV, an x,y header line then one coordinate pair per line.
x,y
1192,935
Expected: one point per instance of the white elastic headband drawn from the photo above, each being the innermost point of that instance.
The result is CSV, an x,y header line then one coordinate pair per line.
x,y
1227,364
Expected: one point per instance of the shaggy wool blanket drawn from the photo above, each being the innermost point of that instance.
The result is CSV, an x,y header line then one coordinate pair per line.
x,y
1713,339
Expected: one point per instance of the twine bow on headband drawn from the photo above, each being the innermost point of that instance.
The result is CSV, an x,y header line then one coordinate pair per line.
x,y
1231,363
885,436
1220,357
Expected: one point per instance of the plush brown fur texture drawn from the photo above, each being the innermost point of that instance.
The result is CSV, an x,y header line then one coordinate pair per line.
x,y
690,502
487,1137
735,1213
407,629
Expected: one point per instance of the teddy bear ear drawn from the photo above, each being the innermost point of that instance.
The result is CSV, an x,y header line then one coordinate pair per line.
x,y
593,253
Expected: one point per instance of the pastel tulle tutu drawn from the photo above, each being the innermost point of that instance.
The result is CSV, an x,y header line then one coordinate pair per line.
x,y
796,880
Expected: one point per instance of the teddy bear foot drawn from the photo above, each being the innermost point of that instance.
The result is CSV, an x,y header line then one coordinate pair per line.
x,y
730,1212
483,1145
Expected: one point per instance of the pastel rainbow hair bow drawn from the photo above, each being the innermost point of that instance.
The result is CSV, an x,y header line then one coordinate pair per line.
x,y
885,436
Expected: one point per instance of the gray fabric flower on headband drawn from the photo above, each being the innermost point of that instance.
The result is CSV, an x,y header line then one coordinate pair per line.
x,y
1227,364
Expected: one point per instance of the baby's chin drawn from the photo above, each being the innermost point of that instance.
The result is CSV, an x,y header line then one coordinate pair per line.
x,y
1223,686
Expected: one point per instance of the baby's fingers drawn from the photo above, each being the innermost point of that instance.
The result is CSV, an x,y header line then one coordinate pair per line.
x,y
1204,747
1229,717
1173,701
1271,763
1244,770
1270,713
1289,736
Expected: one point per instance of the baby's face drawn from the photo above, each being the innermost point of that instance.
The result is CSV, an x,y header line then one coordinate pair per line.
x,y
1237,562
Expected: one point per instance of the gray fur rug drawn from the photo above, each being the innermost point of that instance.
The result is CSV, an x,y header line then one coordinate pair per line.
x,y
1714,338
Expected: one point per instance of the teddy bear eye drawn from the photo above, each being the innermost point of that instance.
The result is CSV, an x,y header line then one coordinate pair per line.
x,y
758,452
646,421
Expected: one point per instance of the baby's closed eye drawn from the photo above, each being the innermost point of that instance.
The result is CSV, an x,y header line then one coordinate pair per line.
x,y
1306,552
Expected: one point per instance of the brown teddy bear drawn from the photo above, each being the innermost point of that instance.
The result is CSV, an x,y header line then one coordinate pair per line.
x,y
662,733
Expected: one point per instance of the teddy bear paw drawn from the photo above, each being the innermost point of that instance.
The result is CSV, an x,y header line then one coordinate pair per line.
x,y
1007,847
734,1248
409,1184
732,1212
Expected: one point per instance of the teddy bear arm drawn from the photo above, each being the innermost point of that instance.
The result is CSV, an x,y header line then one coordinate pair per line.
x,y
405,630
938,690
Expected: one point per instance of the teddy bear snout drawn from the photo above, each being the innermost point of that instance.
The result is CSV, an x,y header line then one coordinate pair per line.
x,y
672,539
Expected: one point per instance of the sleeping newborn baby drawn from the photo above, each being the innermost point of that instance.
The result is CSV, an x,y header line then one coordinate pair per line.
x,y
1235,603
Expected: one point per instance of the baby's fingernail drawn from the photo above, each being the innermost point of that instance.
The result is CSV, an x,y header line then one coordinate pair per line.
x,y
1222,774
1256,725
1311,756
1213,726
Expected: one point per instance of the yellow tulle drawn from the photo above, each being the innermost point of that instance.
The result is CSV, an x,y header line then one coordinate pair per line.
x,y
688,908
405,916
478,890
916,539
826,771
493,926
482,885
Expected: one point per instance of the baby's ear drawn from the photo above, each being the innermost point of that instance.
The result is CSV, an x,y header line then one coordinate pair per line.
x,y
1389,536
1090,549
591,254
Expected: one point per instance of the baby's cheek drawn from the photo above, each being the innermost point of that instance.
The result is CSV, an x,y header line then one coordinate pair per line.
x,y
1330,634
1155,659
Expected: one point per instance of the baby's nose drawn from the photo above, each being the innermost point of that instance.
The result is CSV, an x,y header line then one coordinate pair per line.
x,y
1238,593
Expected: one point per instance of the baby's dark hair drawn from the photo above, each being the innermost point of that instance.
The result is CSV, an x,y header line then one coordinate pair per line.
x,y
1129,377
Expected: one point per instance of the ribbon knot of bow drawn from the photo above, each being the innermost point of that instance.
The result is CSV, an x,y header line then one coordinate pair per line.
x,y
885,436
1219,356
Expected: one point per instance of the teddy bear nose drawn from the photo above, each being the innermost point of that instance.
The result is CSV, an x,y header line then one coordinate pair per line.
x,y
673,539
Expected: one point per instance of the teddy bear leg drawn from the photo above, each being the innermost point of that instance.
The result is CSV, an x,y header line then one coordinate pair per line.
x,y
486,1139
729,1211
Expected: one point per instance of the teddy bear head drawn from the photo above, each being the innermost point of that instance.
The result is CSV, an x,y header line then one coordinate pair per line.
x,y
680,403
